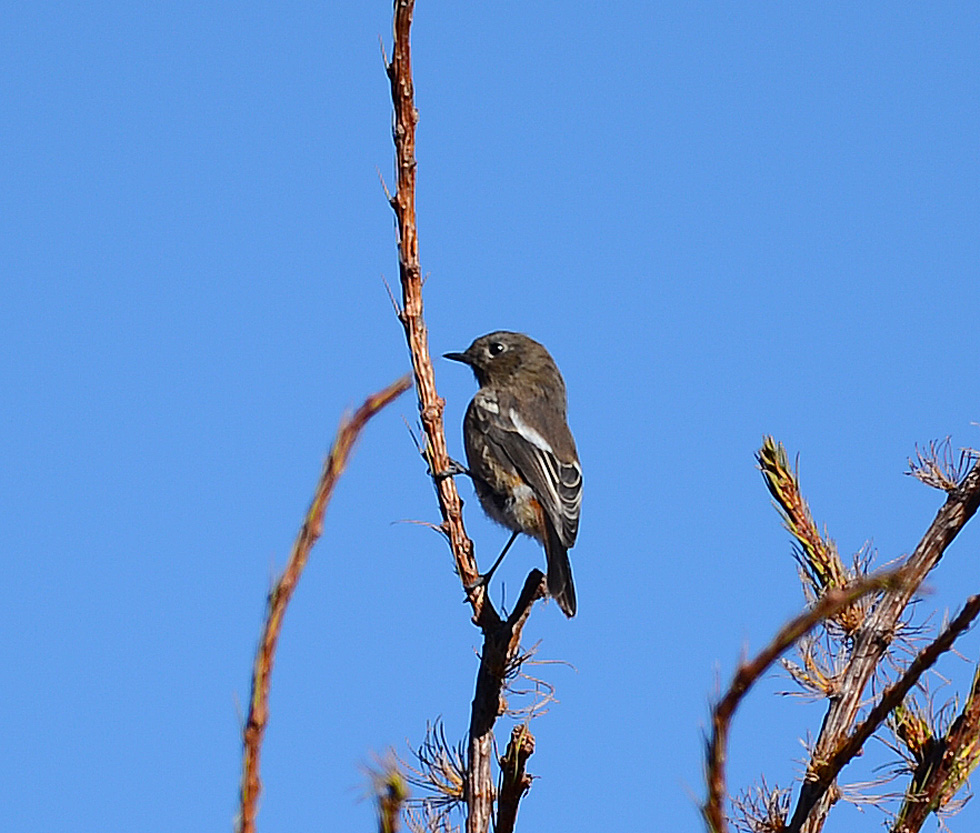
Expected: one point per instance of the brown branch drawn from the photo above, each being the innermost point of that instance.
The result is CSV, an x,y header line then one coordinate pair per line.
x,y
431,405
500,639
258,709
514,779
820,554
825,773
871,642
500,643
944,765
747,674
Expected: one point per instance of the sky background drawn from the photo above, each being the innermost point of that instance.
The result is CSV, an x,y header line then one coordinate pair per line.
x,y
723,220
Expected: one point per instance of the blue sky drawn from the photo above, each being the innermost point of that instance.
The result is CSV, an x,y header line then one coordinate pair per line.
x,y
723,220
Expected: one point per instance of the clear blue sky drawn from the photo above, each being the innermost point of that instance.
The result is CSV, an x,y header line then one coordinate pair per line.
x,y
723,220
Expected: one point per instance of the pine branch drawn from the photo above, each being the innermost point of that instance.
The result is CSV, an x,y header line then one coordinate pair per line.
x,y
748,674
872,640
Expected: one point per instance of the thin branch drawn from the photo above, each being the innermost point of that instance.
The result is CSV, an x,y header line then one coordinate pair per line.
x,y
747,674
514,779
258,709
825,773
431,405
872,640
500,638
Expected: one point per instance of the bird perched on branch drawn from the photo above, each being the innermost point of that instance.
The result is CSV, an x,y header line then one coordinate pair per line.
x,y
520,451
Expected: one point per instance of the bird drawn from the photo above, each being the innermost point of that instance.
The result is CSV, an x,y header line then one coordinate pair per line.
x,y
520,451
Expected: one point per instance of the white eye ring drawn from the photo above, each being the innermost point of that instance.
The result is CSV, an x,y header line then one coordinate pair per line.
x,y
496,348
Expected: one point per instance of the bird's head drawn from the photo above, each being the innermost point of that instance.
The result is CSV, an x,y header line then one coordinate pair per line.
x,y
498,358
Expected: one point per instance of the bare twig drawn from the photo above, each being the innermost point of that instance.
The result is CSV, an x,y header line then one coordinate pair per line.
x,y
823,660
762,809
939,467
520,684
423,819
258,710
872,640
514,779
431,405
747,674
500,638
439,771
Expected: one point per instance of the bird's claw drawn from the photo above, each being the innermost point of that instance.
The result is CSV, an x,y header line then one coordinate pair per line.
x,y
454,468
481,581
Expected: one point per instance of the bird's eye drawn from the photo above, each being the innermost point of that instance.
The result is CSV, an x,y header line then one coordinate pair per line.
x,y
497,348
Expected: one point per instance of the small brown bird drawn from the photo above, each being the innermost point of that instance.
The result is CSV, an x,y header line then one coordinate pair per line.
x,y
520,451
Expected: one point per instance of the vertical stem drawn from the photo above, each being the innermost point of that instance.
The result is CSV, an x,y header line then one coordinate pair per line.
x,y
431,405
500,639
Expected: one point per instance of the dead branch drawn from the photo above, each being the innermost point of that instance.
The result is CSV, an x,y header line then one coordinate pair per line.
x,y
258,709
500,638
431,405
747,674
872,640
514,779
500,643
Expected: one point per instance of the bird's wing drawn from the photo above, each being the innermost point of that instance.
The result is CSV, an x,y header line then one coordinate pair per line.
x,y
553,474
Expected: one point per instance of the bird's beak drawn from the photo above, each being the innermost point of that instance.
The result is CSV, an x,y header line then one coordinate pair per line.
x,y
457,357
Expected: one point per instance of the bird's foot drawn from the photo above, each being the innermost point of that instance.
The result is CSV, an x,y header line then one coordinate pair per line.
x,y
454,468
481,581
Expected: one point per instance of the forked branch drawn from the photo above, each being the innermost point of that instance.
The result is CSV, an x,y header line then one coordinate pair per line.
x,y
500,638
823,774
873,639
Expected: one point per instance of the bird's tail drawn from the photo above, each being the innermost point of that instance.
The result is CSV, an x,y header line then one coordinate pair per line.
x,y
560,584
